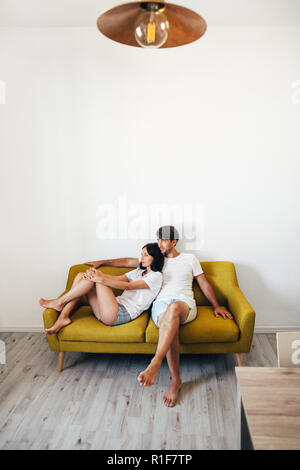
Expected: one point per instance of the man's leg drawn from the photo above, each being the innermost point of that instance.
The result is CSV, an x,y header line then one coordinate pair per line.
x,y
173,355
176,313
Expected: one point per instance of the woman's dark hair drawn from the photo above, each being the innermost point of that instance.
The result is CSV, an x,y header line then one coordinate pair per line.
x,y
158,258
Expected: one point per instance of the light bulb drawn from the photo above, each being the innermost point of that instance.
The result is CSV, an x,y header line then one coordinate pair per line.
x,y
151,27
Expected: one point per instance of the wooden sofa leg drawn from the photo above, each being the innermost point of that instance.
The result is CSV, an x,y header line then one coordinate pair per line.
x,y
239,359
60,361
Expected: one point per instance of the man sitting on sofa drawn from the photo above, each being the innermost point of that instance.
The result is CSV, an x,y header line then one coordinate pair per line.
x,y
175,305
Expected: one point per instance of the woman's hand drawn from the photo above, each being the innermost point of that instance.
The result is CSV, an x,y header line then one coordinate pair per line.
x,y
93,275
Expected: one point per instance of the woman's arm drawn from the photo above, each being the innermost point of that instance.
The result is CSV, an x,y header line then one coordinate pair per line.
x,y
123,285
117,282
109,277
123,277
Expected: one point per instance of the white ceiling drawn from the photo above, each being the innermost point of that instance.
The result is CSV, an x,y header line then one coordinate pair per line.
x,y
86,12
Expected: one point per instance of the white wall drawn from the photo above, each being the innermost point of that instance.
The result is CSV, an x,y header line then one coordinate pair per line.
x,y
88,121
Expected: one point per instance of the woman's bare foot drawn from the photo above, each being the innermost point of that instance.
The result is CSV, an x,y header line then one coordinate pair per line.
x,y
54,303
170,397
60,323
148,376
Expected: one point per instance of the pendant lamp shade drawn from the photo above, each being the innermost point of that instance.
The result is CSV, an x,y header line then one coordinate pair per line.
x,y
167,25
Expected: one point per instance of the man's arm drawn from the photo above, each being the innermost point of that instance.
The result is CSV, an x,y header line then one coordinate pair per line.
x,y
118,262
208,291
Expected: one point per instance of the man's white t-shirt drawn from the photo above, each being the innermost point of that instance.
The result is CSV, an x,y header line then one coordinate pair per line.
x,y
136,301
178,274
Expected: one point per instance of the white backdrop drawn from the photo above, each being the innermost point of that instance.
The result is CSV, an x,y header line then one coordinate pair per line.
x,y
88,121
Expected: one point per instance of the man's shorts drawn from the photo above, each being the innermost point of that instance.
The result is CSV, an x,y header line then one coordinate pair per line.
x,y
160,306
122,316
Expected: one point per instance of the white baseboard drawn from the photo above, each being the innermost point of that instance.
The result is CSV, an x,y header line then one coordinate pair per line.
x,y
21,329
275,328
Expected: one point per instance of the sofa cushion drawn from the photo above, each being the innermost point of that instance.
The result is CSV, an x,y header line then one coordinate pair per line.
x,y
85,327
206,328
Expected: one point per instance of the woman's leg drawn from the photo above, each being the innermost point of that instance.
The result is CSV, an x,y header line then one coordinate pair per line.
x,y
75,292
93,301
63,319
100,297
103,302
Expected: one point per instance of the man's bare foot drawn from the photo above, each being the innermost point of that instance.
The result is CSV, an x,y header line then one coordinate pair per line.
x,y
54,303
60,323
148,376
170,397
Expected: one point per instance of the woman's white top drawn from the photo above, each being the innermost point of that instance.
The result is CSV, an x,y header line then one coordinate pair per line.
x,y
139,300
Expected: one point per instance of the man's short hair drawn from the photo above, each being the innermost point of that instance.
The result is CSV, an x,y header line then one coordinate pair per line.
x,y
169,232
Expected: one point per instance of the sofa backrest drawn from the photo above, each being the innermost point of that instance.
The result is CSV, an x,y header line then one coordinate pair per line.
x,y
221,274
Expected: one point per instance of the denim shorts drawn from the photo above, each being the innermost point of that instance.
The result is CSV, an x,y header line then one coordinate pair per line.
x,y
160,306
122,316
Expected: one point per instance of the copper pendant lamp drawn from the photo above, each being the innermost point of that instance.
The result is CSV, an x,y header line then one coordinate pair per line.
x,y
151,25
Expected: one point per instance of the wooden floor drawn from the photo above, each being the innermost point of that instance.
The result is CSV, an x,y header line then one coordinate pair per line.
x,y
97,403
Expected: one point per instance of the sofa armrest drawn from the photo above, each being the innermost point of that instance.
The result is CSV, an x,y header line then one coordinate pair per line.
x,y
244,315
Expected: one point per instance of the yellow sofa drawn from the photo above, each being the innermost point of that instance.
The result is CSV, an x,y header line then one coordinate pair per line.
x,y
206,334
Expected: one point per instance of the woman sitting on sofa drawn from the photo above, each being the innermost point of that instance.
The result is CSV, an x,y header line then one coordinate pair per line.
x,y
140,286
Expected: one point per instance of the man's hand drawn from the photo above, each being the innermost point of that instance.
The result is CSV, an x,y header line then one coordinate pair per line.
x,y
222,311
93,275
211,297
95,264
